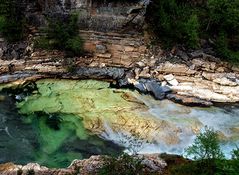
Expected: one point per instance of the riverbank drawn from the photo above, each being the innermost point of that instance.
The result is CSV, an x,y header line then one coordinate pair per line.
x,y
193,79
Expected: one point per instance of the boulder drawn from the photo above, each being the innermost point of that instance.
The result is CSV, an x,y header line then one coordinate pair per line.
x,y
171,80
169,77
225,79
182,55
145,73
140,87
157,90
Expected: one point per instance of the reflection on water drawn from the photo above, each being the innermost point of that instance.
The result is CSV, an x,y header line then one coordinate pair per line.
x,y
53,140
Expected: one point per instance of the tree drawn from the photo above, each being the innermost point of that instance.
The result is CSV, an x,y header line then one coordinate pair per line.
x,y
206,146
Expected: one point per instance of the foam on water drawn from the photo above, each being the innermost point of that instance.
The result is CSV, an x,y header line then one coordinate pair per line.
x,y
190,120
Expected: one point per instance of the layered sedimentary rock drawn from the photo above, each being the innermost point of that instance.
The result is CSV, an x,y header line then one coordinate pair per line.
x,y
213,81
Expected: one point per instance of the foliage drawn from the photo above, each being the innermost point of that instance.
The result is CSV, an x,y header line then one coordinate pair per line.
x,y
184,22
174,22
75,45
224,23
124,164
209,159
235,159
191,31
43,43
12,20
62,34
222,48
206,146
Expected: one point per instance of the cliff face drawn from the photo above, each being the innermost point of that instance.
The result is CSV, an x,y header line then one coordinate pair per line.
x,y
112,30
99,15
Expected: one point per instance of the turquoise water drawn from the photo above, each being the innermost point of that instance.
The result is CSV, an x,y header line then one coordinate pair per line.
x,y
46,123
53,140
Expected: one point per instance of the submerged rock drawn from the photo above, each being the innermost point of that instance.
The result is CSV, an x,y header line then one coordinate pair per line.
x,y
99,106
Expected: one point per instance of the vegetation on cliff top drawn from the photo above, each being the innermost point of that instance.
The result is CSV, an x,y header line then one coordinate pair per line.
x,y
62,34
174,21
186,22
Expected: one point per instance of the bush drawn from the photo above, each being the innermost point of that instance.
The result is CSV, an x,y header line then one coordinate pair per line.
x,y
223,50
191,31
62,34
175,22
208,157
224,23
43,43
123,165
206,146
75,45
184,22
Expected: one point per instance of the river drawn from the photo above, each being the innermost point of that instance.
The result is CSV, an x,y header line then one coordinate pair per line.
x,y
63,120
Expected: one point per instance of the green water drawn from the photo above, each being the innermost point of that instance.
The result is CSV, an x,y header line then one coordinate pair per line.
x,y
56,121
50,139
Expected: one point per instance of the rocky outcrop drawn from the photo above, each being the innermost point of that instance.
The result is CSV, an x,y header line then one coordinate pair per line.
x,y
114,49
199,78
151,163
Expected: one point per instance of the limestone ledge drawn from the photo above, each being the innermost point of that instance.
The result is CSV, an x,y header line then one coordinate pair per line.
x,y
199,78
205,80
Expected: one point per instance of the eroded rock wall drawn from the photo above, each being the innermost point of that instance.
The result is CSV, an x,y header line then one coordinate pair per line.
x,y
114,49
112,30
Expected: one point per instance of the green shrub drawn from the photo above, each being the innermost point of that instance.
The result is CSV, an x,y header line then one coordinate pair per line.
x,y
43,43
191,31
208,158
2,22
175,22
62,34
235,159
75,45
184,22
223,50
206,146
123,165
224,23
235,154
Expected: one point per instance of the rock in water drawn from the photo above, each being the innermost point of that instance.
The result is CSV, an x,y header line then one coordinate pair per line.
x,y
189,101
157,90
